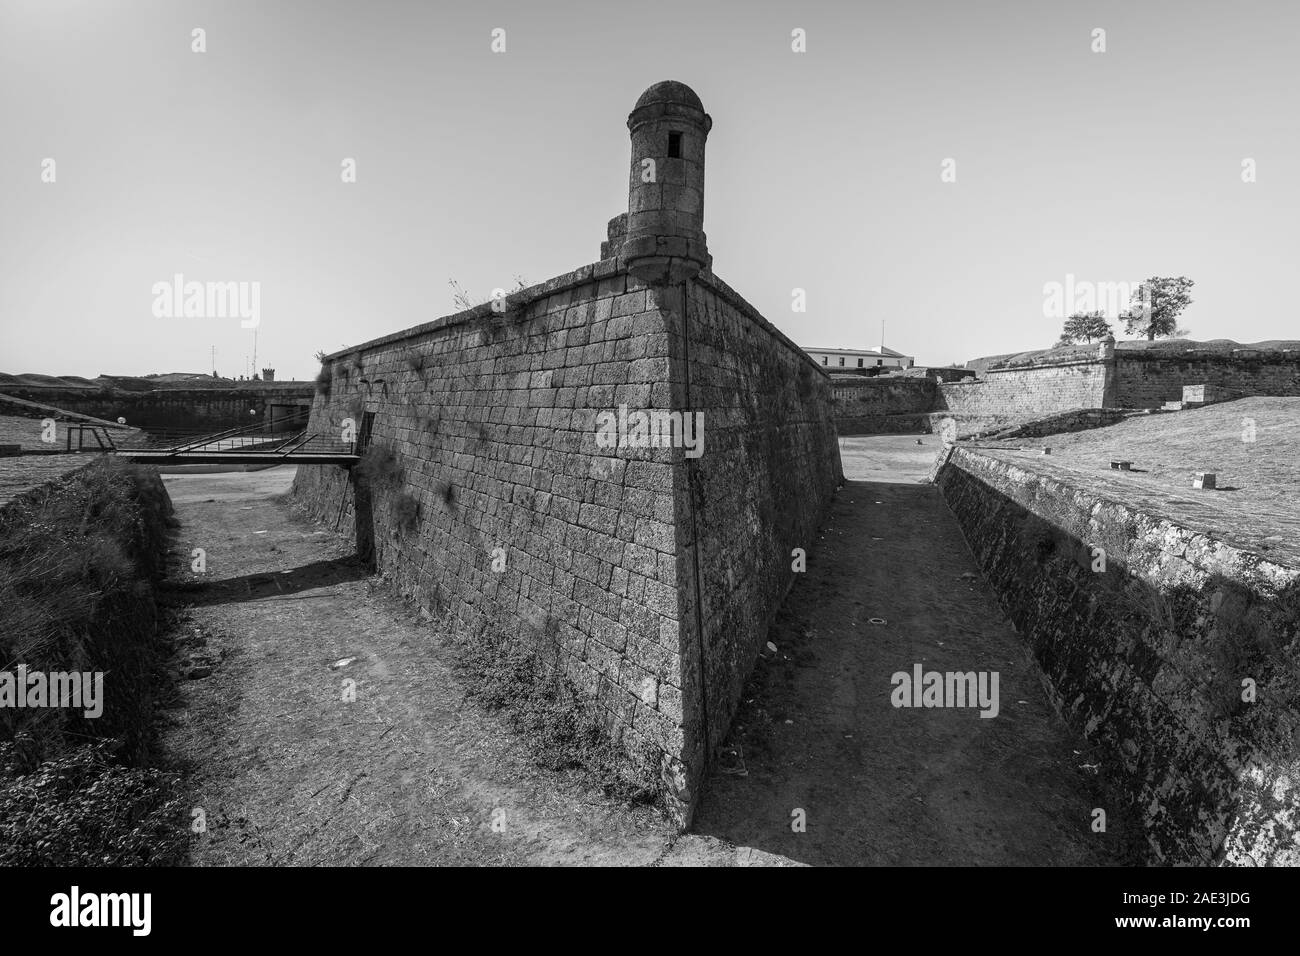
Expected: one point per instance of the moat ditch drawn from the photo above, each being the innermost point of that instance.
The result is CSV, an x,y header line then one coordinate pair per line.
x,y
1113,693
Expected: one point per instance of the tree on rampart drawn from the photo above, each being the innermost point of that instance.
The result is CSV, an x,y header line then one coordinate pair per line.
x,y
1084,327
1156,305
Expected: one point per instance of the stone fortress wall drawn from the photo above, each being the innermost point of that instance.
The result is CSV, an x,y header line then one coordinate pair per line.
x,y
1149,379
1145,654
1062,380
189,408
770,468
644,574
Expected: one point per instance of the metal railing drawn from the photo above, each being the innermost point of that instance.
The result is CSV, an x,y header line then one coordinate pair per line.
x,y
178,439
282,437
102,436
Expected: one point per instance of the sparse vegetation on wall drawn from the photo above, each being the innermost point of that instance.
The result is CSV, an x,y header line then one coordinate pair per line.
x,y
591,534
445,491
379,467
427,421
325,377
415,360
406,512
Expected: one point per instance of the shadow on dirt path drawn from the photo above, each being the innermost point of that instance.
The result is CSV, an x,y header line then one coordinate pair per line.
x,y
258,585
907,786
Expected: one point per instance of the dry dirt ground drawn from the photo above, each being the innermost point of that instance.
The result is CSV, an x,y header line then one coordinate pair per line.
x,y
817,733
287,772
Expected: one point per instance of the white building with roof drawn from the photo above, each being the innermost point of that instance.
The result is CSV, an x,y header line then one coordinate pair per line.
x,y
860,360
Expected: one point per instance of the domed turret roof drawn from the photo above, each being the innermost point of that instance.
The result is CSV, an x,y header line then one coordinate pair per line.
x,y
670,91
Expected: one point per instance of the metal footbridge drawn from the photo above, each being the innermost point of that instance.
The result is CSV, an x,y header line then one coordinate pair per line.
x,y
285,441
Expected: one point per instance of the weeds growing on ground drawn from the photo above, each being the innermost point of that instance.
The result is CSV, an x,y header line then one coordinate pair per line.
x,y
565,730
84,808
76,558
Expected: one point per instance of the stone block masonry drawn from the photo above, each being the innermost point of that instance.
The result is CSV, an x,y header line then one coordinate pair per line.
x,y
492,419
1035,386
1177,654
872,405
614,570
1030,391
647,572
167,408
760,491
1148,379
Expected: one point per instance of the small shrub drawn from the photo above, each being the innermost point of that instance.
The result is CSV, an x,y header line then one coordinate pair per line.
x,y
487,329
406,511
460,298
379,467
446,491
415,360
438,600
84,808
563,729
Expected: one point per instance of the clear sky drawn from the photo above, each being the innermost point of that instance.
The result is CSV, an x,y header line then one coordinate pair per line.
x,y
823,167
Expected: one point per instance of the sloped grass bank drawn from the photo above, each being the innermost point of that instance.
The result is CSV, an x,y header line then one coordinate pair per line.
x,y
79,559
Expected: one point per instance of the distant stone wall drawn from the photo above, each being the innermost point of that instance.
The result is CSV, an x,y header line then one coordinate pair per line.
x,y
1148,656
1019,388
1025,392
1061,423
761,488
1148,379
861,407
162,408
1065,381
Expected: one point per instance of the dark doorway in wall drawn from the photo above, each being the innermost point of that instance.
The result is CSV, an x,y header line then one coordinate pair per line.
x,y
364,522
363,500
674,145
367,425
285,418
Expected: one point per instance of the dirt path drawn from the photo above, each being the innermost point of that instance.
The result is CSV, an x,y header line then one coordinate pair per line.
x,y
905,786
287,772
